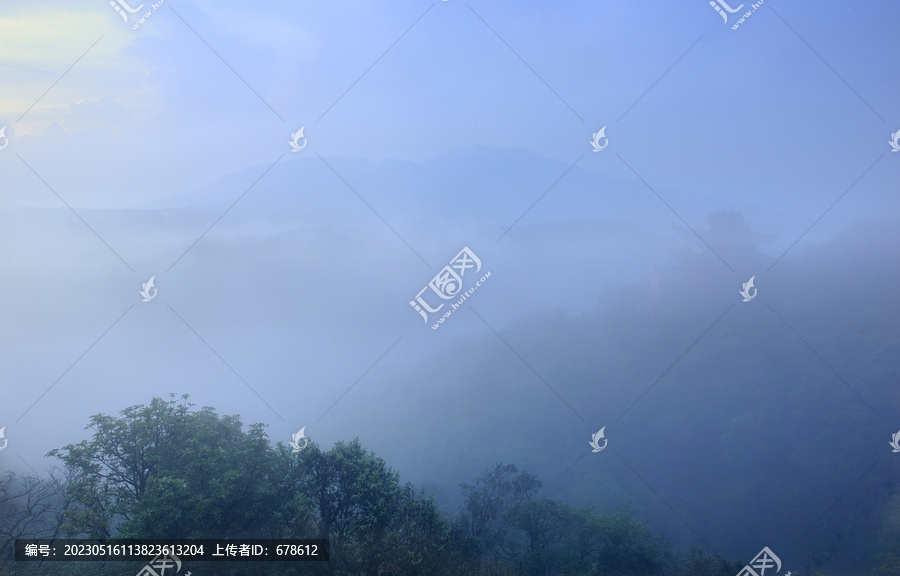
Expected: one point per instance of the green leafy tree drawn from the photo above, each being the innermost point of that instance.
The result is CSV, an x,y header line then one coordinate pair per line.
x,y
624,544
165,471
696,562
374,523
168,470
505,524
548,526
490,504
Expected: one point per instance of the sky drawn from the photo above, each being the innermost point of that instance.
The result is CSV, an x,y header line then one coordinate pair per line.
x,y
285,278
210,87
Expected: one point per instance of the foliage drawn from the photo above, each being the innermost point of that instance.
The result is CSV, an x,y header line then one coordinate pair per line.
x,y
504,522
490,503
169,470
696,562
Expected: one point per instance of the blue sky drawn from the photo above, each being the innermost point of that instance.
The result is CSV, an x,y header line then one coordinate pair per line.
x,y
154,112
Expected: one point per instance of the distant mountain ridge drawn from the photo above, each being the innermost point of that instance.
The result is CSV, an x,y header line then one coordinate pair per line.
x,y
471,184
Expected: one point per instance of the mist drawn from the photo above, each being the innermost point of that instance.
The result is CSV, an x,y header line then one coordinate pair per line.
x,y
710,282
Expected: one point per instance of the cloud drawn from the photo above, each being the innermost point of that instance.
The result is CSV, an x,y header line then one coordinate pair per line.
x,y
59,55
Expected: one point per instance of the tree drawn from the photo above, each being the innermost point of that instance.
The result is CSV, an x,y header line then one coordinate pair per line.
x,y
624,544
373,522
165,471
30,507
549,526
503,522
695,562
490,502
